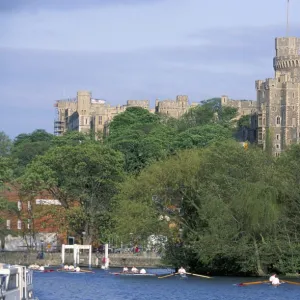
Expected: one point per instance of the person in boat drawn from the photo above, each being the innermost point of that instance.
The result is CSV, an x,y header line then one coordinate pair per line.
x,y
66,267
71,268
77,269
182,271
134,270
41,268
143,271
276,281
125,270
272,277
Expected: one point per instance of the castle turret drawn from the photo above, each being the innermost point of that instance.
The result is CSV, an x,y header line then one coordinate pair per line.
x,y
287,59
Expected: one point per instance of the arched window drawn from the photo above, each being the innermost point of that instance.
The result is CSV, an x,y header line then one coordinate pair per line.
x,y
278,120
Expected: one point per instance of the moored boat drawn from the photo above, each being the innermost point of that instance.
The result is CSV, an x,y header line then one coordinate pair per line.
x,y
16,282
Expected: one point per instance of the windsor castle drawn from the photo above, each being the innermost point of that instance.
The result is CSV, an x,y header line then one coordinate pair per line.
x,y
275,116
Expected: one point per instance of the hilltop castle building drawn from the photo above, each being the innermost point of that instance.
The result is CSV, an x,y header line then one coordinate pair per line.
x,y
85,113
277,121
275,116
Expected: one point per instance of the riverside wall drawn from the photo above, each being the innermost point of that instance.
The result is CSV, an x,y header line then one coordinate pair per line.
x,y
54,259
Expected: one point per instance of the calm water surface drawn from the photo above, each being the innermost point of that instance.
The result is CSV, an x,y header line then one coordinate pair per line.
x,y
102,285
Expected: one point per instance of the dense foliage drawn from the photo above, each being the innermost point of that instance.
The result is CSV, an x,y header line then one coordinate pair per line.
x,y
217,206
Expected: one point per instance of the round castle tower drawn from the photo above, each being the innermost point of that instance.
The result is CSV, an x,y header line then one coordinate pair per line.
x,y
287,59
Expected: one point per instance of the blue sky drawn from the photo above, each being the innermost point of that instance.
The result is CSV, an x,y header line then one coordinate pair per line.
x,y
132,49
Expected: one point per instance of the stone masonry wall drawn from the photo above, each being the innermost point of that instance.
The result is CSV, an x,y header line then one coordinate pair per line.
x,y
54,259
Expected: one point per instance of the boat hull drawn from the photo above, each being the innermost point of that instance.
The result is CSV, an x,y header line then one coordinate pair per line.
x,y
134,274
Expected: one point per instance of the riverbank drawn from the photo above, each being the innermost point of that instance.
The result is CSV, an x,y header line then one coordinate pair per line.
x,y
54,259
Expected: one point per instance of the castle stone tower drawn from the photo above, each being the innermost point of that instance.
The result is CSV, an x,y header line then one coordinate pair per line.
x,y
287,59
277,122
83,110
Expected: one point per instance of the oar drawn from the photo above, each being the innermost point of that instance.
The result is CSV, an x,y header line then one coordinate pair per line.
x,y
198,275
291,282
252,282
167,275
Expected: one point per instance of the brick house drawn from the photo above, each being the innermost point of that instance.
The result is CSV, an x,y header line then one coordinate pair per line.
x,y
37,223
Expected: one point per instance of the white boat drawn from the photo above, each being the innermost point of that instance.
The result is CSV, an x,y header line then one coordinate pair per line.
x,y
15,283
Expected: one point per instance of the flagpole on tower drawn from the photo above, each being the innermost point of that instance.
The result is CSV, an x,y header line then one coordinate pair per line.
x,y
287,18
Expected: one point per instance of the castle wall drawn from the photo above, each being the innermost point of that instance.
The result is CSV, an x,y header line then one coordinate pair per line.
x,y
85,113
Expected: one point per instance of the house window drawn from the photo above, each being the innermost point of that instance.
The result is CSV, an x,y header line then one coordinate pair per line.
x,y
28,223
19,225
7,224
278,121
277,137
29,205
19,205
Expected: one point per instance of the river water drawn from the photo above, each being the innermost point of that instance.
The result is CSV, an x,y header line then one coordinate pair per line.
x,y
105,286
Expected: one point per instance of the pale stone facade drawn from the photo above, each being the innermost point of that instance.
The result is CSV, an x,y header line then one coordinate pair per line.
x,y
84,113
244,107
277,123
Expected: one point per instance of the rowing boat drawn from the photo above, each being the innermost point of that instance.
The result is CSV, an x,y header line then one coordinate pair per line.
x,y
132,274
74,271
44,271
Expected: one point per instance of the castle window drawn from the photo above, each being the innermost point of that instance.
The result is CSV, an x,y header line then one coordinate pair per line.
x,y
277,154
293,95
277,137
293,107
294,122
278,121
19,225
277,146
7,224
100,120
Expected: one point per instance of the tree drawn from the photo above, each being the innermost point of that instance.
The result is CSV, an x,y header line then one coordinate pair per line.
x,y
141,137
221,195
201,136
86,174
6,207
27,146
5,144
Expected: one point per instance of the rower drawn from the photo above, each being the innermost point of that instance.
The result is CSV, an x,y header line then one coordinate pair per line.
x,y
125,270
66,267
272,277
77,269
41,268
143,271
71,268
276,282
182,271
134,270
